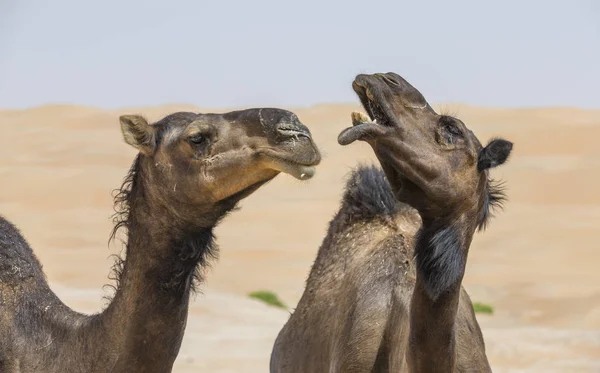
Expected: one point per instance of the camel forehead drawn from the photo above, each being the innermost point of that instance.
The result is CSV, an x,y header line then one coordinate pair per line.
x,y
176,120
267,117
170,127
277,115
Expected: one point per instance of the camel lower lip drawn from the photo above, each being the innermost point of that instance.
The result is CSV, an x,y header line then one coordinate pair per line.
x,y
305,172
297,170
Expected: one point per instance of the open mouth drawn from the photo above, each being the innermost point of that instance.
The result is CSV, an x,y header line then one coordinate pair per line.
x,y
374,110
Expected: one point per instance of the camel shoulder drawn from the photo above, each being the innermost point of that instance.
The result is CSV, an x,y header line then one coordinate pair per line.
x,y
11,238
17,260
388,262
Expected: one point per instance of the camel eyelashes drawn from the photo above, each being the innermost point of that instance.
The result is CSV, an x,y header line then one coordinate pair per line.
x,y
453,130
450,126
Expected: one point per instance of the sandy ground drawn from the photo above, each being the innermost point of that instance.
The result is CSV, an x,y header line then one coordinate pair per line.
x,y
537,264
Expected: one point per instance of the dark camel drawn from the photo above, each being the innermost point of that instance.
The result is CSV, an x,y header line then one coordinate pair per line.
x,y
191,170
368,306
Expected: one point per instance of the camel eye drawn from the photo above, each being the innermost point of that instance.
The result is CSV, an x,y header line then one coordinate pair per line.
x,y
453,129
197,140
449,131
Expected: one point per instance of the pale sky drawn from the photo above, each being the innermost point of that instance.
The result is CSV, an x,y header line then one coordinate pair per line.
x,y
295,53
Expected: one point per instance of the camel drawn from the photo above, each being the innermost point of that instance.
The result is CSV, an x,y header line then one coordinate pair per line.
x,y
191,170
385,292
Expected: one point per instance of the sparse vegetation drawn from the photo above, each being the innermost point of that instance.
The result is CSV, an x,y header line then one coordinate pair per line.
x,y
268,297
483,308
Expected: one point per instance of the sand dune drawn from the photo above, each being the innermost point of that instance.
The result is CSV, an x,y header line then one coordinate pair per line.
x,y
537,264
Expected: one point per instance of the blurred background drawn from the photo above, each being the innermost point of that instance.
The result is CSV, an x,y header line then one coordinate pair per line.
x,y
528,71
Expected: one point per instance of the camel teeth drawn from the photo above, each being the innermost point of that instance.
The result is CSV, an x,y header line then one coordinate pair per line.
x,y
359,118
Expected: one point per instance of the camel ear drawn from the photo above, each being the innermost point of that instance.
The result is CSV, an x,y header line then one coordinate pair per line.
x,y
494,154
138,133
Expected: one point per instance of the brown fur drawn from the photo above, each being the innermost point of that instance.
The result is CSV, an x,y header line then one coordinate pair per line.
x,y
172,198
368,305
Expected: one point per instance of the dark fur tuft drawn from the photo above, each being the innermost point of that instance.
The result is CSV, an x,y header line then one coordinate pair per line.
x,y
193,254
494,154
122,207
368,194
439,258
116,271
122,198
494,200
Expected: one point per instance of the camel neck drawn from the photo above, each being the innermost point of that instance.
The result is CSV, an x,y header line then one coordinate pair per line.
x,y
441,250
148,314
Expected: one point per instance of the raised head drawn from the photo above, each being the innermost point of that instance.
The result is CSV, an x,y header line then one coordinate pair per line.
x,y
196,167
433,162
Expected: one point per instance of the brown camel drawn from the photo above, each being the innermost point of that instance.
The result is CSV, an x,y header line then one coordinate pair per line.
x,y
368,306
191,170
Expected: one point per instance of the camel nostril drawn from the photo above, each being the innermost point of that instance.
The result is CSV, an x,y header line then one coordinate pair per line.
x,y
293,131
390,79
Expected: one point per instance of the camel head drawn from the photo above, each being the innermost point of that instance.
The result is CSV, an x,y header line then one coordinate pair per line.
x,y
199,164
433,162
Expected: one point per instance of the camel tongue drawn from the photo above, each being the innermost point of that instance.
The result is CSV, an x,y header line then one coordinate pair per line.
x,y
360,118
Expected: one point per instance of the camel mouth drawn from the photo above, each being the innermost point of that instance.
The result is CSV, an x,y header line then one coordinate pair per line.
x,y
372,104
301,169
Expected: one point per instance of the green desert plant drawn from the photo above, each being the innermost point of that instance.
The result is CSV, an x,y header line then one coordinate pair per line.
x,y
268,297
482,308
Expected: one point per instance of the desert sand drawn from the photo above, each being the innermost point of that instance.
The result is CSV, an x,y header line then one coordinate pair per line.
x,y
537,264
